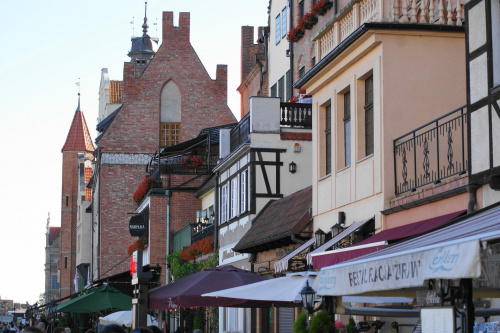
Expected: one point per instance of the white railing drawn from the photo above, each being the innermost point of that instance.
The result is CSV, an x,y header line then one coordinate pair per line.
x,y
445,12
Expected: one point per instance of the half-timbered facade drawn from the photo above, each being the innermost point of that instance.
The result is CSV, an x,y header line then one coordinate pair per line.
x,y
483,96
266,156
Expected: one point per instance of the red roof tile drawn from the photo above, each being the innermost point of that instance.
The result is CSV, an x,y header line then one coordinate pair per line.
x,y
78,136
54,232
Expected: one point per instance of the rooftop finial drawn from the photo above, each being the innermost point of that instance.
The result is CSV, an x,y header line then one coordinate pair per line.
x,y
145,25
78,84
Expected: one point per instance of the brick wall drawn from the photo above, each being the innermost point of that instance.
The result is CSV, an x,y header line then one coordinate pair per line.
x,y
135,130
68,221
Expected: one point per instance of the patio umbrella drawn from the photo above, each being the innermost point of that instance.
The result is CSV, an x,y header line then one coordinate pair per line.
x,y
123,318
97,299
283,289
186,292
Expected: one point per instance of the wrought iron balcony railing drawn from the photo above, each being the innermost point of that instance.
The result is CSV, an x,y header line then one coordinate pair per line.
x,y
295,115
201,230
432,152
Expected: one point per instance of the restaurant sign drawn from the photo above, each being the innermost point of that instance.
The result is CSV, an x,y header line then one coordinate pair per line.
x,y
408,269
138,225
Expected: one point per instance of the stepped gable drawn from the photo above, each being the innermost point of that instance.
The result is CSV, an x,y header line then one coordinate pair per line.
x,y
78,138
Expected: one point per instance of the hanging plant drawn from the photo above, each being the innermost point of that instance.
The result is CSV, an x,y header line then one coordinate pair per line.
x,y
322,7
201,247
140,244
143,189
192,161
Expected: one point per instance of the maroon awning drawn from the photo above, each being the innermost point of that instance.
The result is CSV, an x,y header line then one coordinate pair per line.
x,y
376,242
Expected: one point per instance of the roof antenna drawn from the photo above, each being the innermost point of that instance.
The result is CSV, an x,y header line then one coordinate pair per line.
x,y
132,22
145,25
78,84
156,26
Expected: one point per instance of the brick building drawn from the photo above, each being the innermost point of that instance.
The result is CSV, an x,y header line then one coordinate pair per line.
x,y
77,148
52,257
168,98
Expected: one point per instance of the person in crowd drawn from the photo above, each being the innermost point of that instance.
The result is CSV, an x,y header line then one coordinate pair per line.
x,y
90,330
155,329
32,329
59,330
112,328
142,330
67,330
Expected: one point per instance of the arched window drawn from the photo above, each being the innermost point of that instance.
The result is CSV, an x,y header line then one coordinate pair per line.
x,y
170,118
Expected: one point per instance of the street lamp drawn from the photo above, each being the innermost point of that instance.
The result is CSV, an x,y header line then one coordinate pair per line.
x,y
319,237
308,296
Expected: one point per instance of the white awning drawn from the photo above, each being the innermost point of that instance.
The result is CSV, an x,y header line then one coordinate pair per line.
x,y
452,252
347,231
282,264
283,289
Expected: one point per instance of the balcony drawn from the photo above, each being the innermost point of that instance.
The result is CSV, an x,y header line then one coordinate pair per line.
x,y
351,17
431,153
292,115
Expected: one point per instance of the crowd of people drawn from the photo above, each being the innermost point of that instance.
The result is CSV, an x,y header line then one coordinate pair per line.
x,y
20,328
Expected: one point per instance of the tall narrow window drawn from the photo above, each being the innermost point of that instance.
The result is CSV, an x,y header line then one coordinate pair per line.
x,y
288,94
281,88
243,192
234,197
301,9
170,134
223,204
65,262
369,116
273,91
302,71
283,23
278,29
328,140
347,128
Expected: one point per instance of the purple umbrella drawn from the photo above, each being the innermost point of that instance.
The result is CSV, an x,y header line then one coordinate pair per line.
x,y
186,292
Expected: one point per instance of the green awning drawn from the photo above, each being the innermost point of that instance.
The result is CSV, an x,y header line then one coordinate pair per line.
x,y
97,299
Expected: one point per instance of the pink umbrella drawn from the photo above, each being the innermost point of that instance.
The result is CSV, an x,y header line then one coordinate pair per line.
x,y
339,324
186,292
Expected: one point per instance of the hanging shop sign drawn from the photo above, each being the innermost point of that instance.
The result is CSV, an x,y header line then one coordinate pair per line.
x,y
138,226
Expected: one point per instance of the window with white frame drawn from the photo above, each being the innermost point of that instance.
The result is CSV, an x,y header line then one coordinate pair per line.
x,y
243,191
278,29
234,197
223,204
283,23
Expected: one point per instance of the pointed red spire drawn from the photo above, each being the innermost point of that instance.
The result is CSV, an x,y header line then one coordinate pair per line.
x,y
78,136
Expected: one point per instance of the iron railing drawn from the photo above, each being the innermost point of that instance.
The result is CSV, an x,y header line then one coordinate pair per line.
x,y
201,230
239,134
432,152
296,115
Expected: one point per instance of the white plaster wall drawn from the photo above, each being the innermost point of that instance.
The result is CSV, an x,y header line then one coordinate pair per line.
x,y
477,30
279,63
479,146
343,187
496,139
489,196
478,73
265,115
325,193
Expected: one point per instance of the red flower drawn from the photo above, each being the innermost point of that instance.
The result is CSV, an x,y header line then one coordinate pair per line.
x,y
143,189
201,247
140,244
192,161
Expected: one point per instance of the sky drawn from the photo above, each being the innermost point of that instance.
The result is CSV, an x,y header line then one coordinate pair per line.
x,y
46,48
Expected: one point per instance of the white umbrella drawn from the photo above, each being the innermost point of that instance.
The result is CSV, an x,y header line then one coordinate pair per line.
x,y
283,289
123,318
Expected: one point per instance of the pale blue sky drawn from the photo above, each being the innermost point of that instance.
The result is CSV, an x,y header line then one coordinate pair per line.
x,y
46,46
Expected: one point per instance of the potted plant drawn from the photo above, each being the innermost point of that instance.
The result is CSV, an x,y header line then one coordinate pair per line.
x,y
192,161
310,20
322,322
140,244
322,7
143,188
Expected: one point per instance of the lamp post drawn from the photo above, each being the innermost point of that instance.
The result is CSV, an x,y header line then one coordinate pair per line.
x,y
308,296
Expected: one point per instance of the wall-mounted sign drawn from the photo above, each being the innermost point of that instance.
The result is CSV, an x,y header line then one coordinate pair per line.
x,y
138,226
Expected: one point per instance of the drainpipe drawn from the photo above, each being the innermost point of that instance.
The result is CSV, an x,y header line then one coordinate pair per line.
x,y
167,268
472,189
216,212
98,269
290,47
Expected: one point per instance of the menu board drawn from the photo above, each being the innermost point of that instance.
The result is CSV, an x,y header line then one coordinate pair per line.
x,y
439,320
